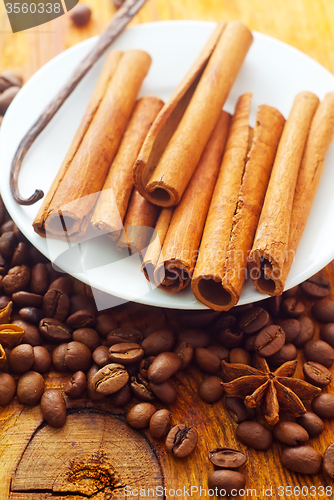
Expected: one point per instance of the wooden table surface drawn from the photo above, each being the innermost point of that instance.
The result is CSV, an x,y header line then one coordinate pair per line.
x,y
78,461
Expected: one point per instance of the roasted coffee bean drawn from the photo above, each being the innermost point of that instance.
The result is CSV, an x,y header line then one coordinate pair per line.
x,y
185,352
30,388
78,357
207,361
79,302
273,305
58,358
7,226
306,331
87,336
7,244
291,328
160,423
303,459
316,287
290,433
227,458
269,340
327,333
7,389
211,389
238,410
21,358
238,311
163,367
328,461
239,355
4,301
16,279
63,284
218,350
166,392
230,338
144,366
92,394
194,337
109,379
54,408
124,335
319,352
286,353
323,310
323,405
292,307
39,280
20,255
9,79
42,360
139,416
141,388
35,256
55,331
27,299
56,304
255,435
125,353
105,323
291,292
312,423
76,386
158,342
198,319
226,481
31,314
101,356
181,440
81,15
254,320
31,333
249,343
225,320
317,374
81,319
121,397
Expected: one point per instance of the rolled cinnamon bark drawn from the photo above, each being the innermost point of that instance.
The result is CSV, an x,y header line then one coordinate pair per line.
x,y
113,201
72,196
179,134
179,251
271,244
139,222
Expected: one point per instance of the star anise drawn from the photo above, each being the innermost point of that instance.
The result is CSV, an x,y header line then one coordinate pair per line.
x,y
276,390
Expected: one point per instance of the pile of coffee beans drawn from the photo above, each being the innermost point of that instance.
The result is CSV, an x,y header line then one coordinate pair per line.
x,y
10,84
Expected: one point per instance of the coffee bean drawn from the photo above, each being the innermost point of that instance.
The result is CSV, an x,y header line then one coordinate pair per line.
x,y
139,416
230,338
87,336
56,304
7,389
21,358
79,302
218,350
286,353
78,357
198,319
53,408
316,287
181,440
163,367
323,310
292,307
319,352
81,319
306,332
166,392
291,328
195,337
227,458
327,333
125,353
328,461
226,481
81,15
124,335
92,394
105,323
101,356
141,388
109,379
290,433
42,360
255,435
269,340
54,331
7,226
273,305
210,389
158,342
121,397
9,79
63,284
76,386
144,366
239,355
291,292
323,405
238,410
27,299
249,343
303,459
317,374
58,358
39,280
207,361
7,244
30,388
185,352
16,279
20,255
160,423
312,423
31,333
254,320
4,301
225,321
31,314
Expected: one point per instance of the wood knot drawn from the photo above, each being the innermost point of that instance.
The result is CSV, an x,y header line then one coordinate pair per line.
x,y
92,473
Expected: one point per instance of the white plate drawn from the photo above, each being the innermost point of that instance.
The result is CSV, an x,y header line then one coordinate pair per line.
x,y
274,71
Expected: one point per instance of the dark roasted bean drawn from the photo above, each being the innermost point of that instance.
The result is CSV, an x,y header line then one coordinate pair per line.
x,y
323,310
141,388
124,335
254,320
239,355
31,314
328,461
92,394
105,323
125,353
21,358
303,459
317,374
225,321
163,367
7,389
211,389
238,410
273,305
109,379
228,481
42,360
181,440
39,280
78,357
166,392
7,244
20,255
287,353
16,279
316,287
63,284
312,423
144,366
30,388
139,416
291,328
306,332
327,333
292,307
4,301
269,340
218,350
158,342
87,336
227,458
31,334
54,331
27,299
121,397
79,302
76,386
230,338
58,358
101,356
290,433
81,319
249,343
255,435
160,423
323,405
195,337
56,304
207,361
319,352
81,15
53,408
185,352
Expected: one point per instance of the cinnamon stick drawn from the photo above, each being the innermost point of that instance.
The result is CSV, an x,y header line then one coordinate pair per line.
x,y
113,201
179,134
179,251
72,197
270,248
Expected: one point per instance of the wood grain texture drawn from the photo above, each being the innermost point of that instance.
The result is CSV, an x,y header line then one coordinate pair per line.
x,y
305,24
